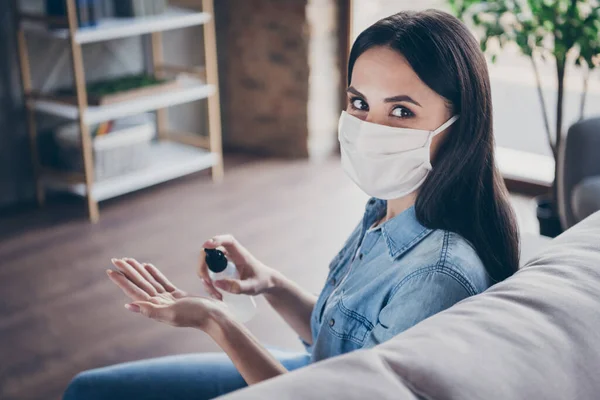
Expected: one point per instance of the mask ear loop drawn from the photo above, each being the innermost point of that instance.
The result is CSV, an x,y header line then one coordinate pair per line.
x,y
444,126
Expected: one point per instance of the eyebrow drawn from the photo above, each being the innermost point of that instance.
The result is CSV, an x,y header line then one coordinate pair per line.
x,y
394,99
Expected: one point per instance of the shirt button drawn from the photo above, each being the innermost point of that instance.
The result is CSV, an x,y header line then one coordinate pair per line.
x,y
360,256
333,281
331,322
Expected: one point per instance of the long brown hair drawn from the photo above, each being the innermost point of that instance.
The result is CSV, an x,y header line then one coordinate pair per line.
x,y
464,193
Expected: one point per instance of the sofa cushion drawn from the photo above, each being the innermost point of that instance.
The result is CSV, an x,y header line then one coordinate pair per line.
x,y
534,336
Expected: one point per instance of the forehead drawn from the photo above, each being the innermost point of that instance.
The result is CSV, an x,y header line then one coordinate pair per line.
x,y
384,72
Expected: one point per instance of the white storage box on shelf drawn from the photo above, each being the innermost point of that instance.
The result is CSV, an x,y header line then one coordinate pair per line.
x,y
123,150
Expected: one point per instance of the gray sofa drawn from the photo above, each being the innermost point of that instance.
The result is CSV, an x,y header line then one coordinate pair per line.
x,y
533,336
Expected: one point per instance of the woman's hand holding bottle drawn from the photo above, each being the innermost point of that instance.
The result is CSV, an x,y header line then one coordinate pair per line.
x,y
290,301
254,277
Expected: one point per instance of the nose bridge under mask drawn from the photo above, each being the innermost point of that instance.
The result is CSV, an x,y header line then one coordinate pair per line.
x,y
385,162
369,137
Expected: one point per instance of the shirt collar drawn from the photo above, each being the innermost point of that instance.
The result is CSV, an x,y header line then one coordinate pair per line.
x,y
400,233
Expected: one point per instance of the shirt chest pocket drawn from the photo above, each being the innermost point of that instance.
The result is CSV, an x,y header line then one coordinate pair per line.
x,y
346,324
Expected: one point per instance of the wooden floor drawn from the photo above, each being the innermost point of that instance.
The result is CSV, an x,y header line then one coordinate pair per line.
x,y
60,314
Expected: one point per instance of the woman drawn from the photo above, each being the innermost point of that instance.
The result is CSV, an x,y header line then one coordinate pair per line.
x,y
417,136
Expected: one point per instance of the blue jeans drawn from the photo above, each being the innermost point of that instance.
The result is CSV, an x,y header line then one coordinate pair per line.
x,y
182,377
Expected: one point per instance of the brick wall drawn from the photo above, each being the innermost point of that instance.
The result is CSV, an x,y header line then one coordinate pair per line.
x,y
275,65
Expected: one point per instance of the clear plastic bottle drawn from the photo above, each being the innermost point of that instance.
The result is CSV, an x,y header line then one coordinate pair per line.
x,y
242,306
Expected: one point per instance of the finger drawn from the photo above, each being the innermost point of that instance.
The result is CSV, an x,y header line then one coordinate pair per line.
x,y
160,278
203,267
237,286
226,241
129,288
131,273
145,274
205,276
156,312
133,308
212,291
228,245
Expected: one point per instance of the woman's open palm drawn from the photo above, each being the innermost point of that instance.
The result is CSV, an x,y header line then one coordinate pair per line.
x,y
154,296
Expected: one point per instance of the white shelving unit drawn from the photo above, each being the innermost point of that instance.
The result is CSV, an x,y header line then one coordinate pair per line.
x,y
189,90
172,156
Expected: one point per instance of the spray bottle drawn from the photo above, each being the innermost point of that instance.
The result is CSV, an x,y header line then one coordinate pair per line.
x,y
242,306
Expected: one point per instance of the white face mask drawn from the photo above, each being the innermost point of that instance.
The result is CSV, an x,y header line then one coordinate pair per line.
x,y
385,162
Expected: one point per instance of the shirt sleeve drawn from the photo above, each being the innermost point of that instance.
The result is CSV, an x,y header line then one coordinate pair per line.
x,y
421,295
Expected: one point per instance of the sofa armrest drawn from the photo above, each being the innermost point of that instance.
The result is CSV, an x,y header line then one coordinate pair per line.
x,y
585,199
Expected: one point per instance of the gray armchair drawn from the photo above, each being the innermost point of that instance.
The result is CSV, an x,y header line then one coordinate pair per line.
x,y
578,179
585,199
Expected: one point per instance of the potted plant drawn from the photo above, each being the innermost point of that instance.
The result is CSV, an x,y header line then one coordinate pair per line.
x,y
558,31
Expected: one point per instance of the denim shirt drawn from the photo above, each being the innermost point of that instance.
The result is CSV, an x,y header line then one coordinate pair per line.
x,y
387,279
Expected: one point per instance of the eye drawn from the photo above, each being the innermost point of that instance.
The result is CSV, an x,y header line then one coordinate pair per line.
x,y
359,104
402,112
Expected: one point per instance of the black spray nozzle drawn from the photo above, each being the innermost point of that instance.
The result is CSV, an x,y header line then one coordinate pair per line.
x,y
216,260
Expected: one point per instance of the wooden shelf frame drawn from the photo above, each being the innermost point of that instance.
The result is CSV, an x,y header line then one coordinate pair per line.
x,y
211,155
